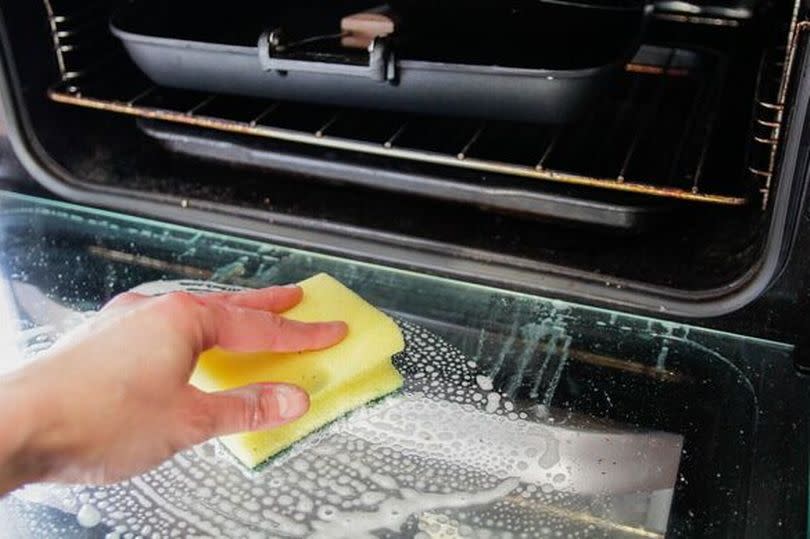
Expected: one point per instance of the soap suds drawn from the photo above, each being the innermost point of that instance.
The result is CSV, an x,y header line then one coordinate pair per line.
x,y
88,516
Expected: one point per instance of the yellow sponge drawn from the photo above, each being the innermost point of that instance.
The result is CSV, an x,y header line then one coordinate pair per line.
x,y
338,379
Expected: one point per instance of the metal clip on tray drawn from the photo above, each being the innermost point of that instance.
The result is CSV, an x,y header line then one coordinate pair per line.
x,y
277,53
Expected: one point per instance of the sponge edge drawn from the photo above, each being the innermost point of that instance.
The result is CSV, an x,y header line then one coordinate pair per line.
x,y
339,379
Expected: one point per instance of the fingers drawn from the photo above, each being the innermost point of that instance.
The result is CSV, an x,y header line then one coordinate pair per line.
x,y
240,322
248,330
206,324
276,299
248,408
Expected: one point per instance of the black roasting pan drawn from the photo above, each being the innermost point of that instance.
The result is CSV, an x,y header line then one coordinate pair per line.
x,y
520,60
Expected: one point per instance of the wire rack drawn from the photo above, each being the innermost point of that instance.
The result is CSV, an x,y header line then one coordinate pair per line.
x,y
649,135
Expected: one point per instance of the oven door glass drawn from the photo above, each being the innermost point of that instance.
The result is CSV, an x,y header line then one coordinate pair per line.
x,y
521,417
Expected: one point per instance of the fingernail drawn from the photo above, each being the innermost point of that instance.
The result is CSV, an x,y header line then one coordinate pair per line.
x,y
339,327
333,332
292,402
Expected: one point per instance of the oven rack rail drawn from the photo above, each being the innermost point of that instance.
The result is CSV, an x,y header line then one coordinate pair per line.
x,y
772,89
614,155
767,122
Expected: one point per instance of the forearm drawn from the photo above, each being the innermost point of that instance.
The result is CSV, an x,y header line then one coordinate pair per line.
x,y
18,412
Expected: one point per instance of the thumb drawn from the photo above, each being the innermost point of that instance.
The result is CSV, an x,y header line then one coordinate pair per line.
x,y
247,408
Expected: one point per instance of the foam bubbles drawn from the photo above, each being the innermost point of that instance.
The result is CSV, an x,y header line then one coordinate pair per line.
x,y
484,382
88,516
493,402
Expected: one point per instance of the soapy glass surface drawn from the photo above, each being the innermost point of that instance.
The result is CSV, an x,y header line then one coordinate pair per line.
x,y
521,416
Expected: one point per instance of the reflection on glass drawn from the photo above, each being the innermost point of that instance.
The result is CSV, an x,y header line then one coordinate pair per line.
x,y
521,416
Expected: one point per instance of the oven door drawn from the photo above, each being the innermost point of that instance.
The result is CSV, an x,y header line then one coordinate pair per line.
x,y
521,417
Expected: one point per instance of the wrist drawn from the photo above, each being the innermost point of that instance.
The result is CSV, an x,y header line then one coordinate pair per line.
x,y
20,409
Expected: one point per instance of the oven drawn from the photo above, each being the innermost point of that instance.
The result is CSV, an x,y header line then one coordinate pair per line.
x,y
625,286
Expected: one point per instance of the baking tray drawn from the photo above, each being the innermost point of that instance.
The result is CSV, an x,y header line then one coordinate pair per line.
x,y
619,211
541,65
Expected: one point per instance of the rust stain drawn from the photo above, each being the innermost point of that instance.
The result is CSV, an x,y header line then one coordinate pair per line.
x,y
149,262
657,70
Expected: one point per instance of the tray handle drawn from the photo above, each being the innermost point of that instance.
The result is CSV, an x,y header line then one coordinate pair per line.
x,y
273,50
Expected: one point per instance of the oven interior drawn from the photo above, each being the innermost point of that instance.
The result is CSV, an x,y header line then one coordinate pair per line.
x,y
665,182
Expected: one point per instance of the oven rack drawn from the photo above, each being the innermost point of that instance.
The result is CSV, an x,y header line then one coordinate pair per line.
x,y
649,136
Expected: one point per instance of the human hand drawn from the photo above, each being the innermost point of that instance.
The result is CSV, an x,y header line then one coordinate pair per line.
x,y
112,399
